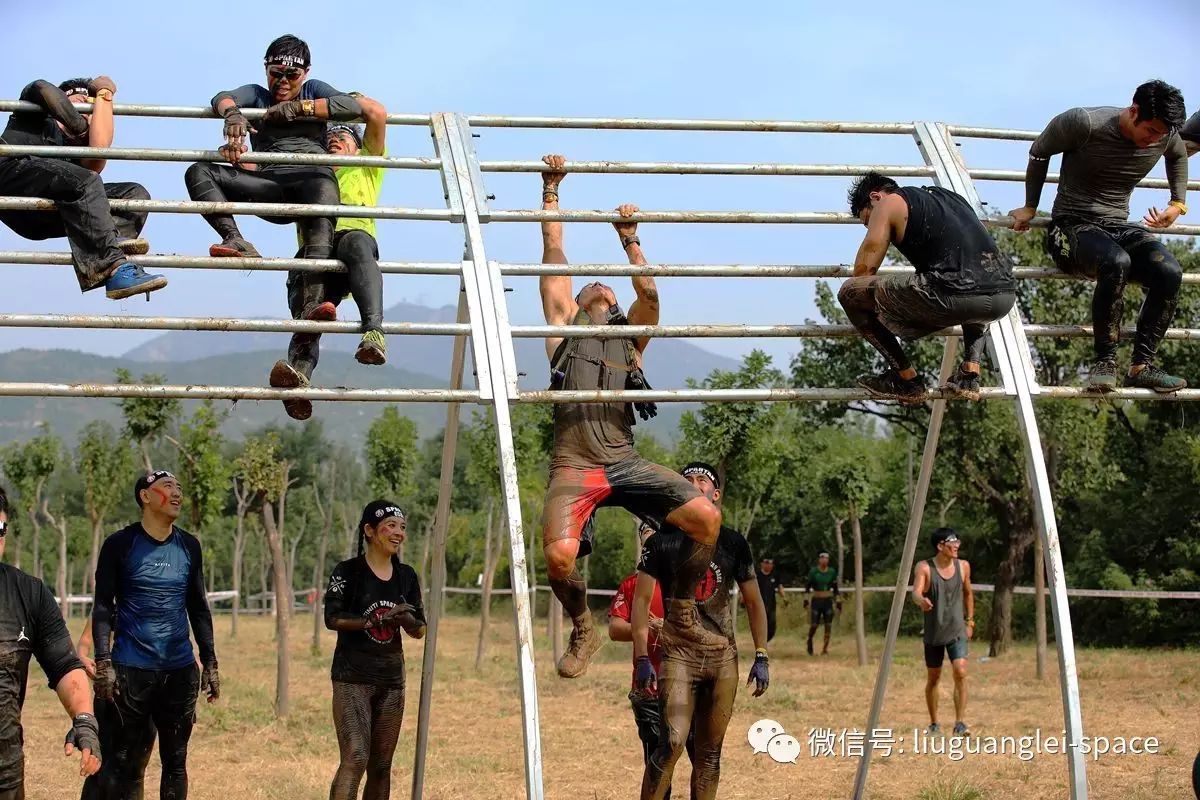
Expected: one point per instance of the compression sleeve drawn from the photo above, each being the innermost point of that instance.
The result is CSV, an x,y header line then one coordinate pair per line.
x,y
199,613
104,605
1177,168
248,96
342,107
55,103
1191,129
52,642
1065,132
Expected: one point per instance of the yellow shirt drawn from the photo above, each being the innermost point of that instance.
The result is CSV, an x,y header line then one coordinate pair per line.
x,y
360,186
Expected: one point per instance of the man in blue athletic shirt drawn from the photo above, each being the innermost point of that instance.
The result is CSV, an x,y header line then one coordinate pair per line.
x,y
150,587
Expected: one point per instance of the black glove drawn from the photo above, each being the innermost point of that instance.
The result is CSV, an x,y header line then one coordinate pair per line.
x,y
85,734
637,380
643,675
759,674
236,124
286,112
210,682
395,616
106,679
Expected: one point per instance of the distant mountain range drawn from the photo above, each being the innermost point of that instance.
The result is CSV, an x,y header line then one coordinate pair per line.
x,y
243,359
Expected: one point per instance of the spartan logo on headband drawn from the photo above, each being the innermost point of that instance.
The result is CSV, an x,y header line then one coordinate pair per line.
x,y
390,511
700,469
157,475
286,61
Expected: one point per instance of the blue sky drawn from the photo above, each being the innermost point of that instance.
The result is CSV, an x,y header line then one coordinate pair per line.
x,y
967,63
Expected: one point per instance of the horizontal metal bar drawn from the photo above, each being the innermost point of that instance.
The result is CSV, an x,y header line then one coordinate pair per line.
x,y
767,217
1019,176
1044,222
821,395
1085,332
137,323
15,389
257,209
636,124
187,112
695,168
252,157
992,133
244,264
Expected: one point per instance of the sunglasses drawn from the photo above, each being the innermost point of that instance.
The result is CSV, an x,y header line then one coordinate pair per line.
x,y
291,73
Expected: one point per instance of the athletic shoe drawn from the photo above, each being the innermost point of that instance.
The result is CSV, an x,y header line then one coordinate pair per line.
x,y
1103,376
233,247
1154,378
682,627
890,386
134,247
934,729
372,349
963,385
322,312
285,376
130,279
960,728
585,641
810,649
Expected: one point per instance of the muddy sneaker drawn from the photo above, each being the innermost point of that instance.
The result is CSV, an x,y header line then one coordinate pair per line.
x,y
285,376
134,247
233,247
934,729
585,641
1154,378
322,312
682,628
372,349
1102,377
890,386
130,279
960,728
963,386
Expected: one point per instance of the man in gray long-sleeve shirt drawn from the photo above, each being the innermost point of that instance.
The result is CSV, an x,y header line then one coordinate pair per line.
x,y
1106,152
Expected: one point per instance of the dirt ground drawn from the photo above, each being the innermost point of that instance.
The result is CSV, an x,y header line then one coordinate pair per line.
x,y
240,752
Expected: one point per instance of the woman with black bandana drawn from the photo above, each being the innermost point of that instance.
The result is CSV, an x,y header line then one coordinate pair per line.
x,y
371,598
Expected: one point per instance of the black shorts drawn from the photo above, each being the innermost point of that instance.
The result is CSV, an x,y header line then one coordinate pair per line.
x,y
1062,239
821,610
913,306
935,653
645,489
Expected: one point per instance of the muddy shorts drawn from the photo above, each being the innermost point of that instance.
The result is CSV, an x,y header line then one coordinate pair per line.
x,y
645,489
913,307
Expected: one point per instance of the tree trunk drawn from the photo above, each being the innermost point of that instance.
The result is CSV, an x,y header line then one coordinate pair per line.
x,y
283,604
1020,537
35,519
239,550
319,582
841,546
144,446
1039,600
263,603
61,578
860,634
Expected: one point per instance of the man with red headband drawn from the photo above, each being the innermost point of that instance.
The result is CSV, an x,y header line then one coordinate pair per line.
x,y
100,238
150,588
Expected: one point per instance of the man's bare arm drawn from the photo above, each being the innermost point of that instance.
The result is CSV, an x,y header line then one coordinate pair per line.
x,y
100,128
886,218
968,591
375,115
645,309
920,586
558,301
642,595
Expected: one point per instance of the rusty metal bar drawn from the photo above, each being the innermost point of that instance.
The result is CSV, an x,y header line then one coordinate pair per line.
x,y
251,157
636,124
1019,176
38,389
699,168
244,264
258,209
187,112
1013,134
138,323
754,217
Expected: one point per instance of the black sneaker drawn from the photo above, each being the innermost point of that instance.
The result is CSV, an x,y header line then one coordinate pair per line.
x,y
1151,377
963,386
233,247
890,386
1103,376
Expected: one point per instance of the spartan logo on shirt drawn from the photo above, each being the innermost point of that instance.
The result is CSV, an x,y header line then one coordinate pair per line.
x,y
376,631
708,586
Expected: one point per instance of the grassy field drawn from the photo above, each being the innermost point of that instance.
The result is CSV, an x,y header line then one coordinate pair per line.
x,y
240,752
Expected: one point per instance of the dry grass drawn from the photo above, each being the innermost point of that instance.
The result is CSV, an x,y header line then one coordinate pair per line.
x,y
239,752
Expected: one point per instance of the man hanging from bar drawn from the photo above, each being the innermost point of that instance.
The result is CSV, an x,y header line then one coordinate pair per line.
x,y
1106,152
298,111
355,245
697,688
961,279
101,239
594,463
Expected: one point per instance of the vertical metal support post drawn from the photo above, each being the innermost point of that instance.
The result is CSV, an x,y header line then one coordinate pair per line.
x,y
900,597
441,524
502,374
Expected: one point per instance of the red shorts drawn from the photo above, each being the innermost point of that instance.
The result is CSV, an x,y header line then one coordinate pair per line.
x,y
645,489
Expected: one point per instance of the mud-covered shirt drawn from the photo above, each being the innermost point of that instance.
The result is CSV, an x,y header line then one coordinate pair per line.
x,y
374,656
948,245
30,625
622,608
1100,167
301,136
732,563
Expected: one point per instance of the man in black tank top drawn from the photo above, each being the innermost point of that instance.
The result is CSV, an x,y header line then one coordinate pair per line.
x,y
961,279
942,589
594,463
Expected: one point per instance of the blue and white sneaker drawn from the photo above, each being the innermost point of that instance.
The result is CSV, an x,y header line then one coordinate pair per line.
x,y
130,279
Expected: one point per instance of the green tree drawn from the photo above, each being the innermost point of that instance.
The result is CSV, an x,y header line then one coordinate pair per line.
x,y
105,463
146,418
29,467
392,455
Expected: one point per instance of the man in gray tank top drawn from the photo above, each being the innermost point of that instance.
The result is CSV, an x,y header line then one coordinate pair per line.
x,y
593,463
1106,152
942,589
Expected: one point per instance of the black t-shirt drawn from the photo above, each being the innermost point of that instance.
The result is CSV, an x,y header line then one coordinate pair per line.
x,y
30,625
768,587
374,656
732,563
